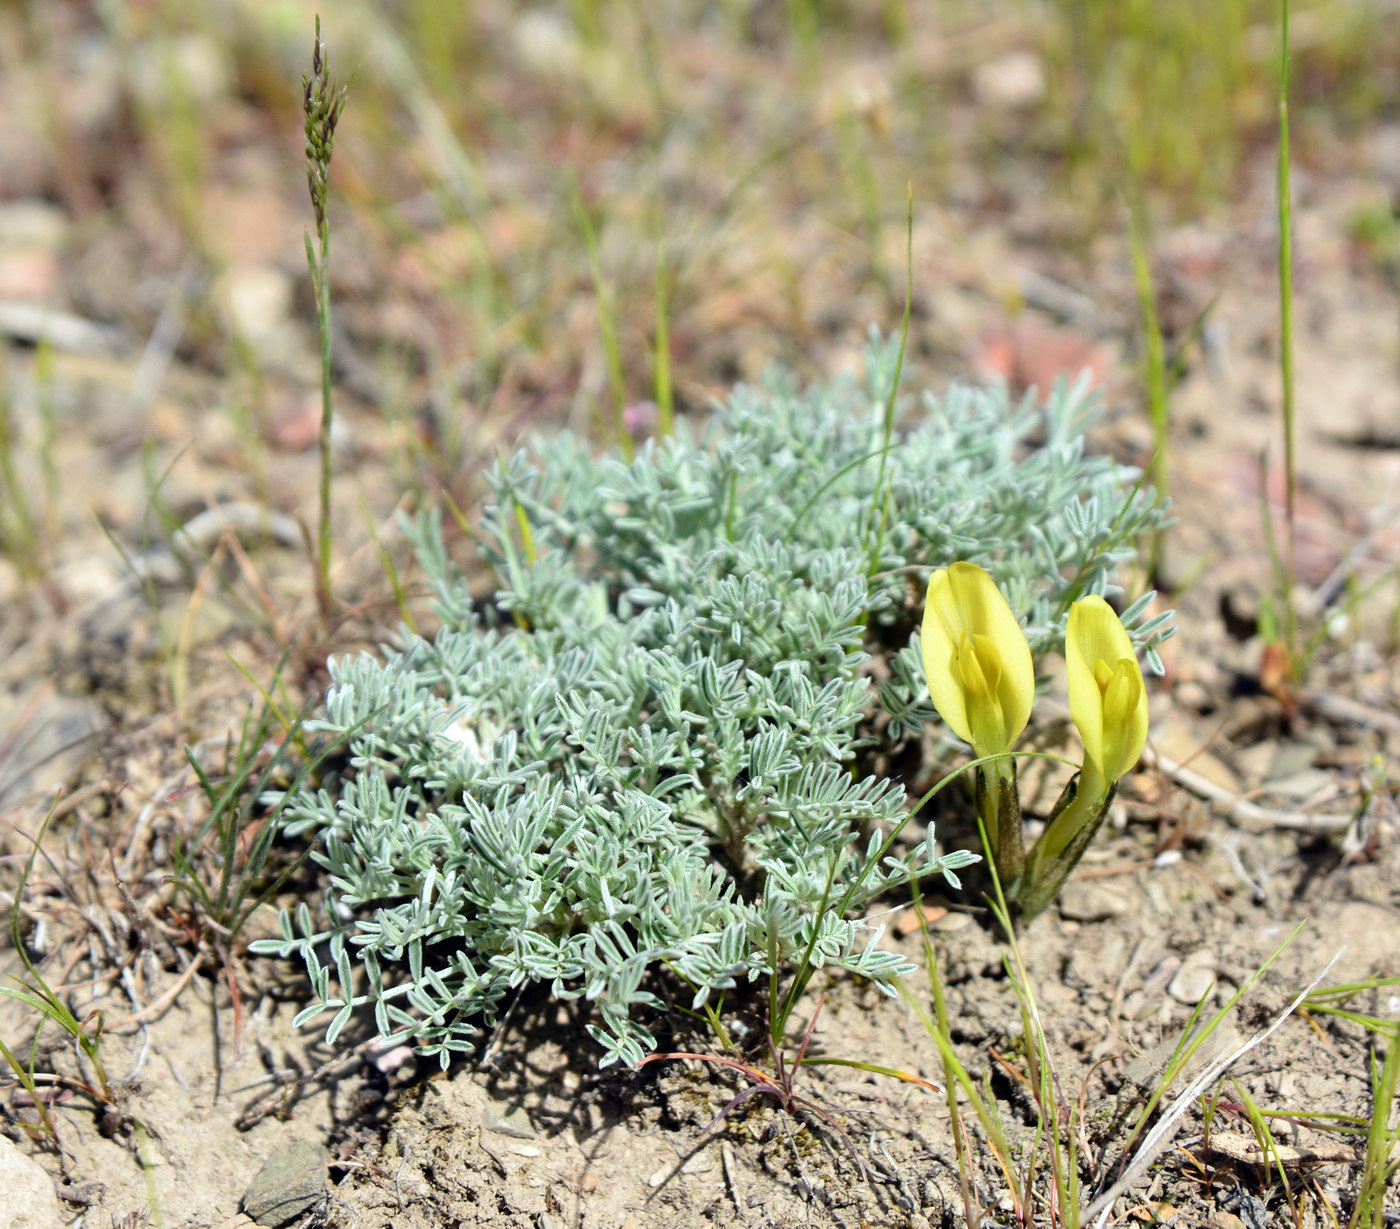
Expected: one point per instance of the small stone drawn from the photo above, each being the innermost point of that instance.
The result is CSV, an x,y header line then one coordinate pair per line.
x,y
505,1119
31,234
546,45
1290,757
525,1150
1014,80
1254,763
919,916
27,1196
1303,786
700,1163
291,1181
1194,696
258,298
29,273
392,1060
1195,979
1092,902
32,221
951,922
87,578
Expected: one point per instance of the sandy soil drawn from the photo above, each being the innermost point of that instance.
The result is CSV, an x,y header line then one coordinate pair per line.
x,y
116,652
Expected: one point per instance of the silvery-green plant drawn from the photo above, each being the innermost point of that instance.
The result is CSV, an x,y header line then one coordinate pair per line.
x,y
637,771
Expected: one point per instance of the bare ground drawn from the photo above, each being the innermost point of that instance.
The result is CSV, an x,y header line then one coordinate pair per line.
x,y
117,654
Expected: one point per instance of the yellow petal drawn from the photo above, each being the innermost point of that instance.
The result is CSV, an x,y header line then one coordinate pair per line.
x,y
979,668
1124,718
981,673
939,637
1107,698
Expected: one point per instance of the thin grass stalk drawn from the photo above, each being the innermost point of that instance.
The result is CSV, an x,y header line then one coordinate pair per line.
x,y
1268,1145
391,571
1188,1044
148,1158
183,647
1285,293
779,1015
664,393
607,321
952,1070
881,513
1042,1075
44,381
781,1008
1154,374
323,103
229,898
956,1075
37,993
852,130
1393,213
1381,1163
25,1075
323,505
18,532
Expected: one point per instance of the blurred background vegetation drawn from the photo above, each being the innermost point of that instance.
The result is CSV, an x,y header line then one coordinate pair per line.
x,y
754,142
538,206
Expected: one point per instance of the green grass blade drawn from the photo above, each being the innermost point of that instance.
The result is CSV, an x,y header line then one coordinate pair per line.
x,y
607,320
1155,372
1285,302
661,362
880,513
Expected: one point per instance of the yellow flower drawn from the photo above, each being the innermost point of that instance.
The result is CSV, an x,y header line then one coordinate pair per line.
x,y
978,663
1107,698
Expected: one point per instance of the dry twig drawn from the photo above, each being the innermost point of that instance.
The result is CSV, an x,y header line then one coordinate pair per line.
x,y
1249,815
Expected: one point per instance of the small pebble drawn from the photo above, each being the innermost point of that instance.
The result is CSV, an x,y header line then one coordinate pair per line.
x,y
27,1197
1093,902
920,915
1015,80
700,1163
951,922
258,298
505,1119
291,1182
1194,980
388,1059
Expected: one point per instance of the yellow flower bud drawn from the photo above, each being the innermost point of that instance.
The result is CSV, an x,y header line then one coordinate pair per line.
x,y
1107,698
976,658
